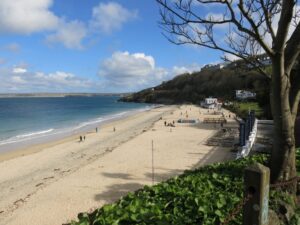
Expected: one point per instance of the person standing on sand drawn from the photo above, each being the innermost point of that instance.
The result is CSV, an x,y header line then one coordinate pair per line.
x,y
114,129
80,139
83,138
96,129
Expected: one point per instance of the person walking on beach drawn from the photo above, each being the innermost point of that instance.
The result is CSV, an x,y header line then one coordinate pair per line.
x,y
114,129
96,129
83,138
80,139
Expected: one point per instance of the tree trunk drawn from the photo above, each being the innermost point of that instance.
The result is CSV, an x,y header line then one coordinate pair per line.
x,y
283,165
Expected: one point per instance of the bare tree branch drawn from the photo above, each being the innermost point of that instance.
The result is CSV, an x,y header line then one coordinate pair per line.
x,y
292,49
268,19
283,25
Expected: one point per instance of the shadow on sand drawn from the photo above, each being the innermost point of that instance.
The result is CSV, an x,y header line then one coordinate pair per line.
x,y
128,183
114,192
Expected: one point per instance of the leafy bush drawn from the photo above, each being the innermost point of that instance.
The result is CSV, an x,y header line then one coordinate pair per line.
x,y
242,109
203,196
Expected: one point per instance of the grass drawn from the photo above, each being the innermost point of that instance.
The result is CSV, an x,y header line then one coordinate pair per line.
x,y
203,196
242,109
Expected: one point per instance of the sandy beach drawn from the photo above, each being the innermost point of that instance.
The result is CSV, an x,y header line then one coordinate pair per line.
x,y
50,184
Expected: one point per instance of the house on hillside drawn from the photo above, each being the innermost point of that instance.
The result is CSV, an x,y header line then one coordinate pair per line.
x,y
215,66
210,103
244,95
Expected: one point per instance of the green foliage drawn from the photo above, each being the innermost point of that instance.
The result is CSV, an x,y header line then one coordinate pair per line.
x,y
296,218
242,109
196,86
203,196
192,88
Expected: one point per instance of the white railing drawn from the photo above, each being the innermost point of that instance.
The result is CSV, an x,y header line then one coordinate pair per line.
x,y
245,150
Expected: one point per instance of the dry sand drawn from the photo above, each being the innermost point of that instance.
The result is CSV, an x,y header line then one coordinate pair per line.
x,y
57,181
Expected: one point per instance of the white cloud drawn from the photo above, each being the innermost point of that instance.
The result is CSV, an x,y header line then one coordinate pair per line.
x,y
19,70
111,16
177,70
22,80
131,70
230,57
61,80
31,16
18,80
70,34
26,16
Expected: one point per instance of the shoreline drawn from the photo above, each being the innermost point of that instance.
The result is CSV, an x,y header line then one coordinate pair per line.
x,y
59,181
30,146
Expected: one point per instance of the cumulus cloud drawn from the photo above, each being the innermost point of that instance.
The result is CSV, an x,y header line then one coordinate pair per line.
x,y
19,70
26,16
111,16
230,57
176,70
61,80
130,70
135,71
22,80
70,34
32,16
18,80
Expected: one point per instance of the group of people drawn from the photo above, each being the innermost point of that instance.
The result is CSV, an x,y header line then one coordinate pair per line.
x,y
81,138
170,124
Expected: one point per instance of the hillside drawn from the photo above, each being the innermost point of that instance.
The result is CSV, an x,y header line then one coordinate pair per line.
x,y
194,87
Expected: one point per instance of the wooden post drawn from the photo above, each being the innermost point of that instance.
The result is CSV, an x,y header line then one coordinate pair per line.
x,y
152,162
257,180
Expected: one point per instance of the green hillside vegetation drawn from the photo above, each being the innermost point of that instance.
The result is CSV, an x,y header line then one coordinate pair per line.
x,y
203,196
192,88
242,109
196,86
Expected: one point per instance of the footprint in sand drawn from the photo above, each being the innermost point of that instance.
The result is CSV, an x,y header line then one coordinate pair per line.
x,y
18,202
39,184
47,178
65,171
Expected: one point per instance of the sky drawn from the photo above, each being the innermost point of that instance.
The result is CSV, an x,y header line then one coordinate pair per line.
x,y
89,46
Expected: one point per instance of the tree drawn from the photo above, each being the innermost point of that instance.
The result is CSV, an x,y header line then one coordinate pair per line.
x,y
252,29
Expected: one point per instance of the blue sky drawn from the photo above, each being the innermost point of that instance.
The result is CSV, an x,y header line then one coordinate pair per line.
x,y
88,46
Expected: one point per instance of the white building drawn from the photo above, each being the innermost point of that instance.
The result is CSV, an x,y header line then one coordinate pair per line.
x,y
215,66
243,95
210,103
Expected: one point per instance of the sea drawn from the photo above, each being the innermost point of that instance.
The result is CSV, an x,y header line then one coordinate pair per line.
x,y
35,120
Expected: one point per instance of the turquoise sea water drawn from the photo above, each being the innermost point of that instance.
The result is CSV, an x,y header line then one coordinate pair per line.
x,y
27,120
